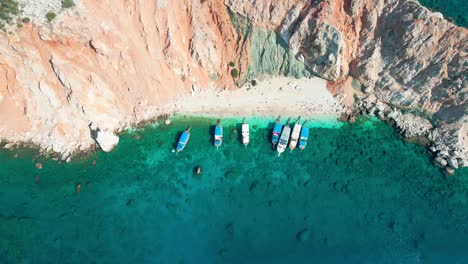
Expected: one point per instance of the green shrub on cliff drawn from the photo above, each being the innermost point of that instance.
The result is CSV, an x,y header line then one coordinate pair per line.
x,y
8,9
50,16
234,73
25,20
231,63
67,4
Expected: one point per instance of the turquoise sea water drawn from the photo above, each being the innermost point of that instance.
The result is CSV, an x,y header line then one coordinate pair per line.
x,y
454,10
357,194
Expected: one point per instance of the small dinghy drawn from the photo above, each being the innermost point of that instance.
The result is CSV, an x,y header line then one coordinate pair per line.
x,y
245,133
283,141
276,132
304,137
218,134
295,134
183,140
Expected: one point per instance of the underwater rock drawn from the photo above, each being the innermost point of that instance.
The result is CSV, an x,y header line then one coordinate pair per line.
x,y
233,173
38,165
449,170
131,203
253,186
78,188
37,178
303,235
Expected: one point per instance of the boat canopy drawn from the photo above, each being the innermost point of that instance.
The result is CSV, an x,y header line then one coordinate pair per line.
x,y
184,137
218,131
305,132
277,128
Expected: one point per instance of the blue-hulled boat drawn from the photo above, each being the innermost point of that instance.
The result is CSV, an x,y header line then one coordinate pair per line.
x,y
304,137
276,131
218,135
183,140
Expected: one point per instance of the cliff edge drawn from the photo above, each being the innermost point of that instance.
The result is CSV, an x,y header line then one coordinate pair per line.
x,y
116,63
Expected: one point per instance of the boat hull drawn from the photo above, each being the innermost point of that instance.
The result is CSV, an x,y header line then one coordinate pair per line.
x,y
283,142
218,136
295,136
276,133
183,141
245,134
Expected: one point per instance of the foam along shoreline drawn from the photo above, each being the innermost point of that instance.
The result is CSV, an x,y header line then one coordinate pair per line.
x,y
307,97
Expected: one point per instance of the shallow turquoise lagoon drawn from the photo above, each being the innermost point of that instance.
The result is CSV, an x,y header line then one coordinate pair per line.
x,y
357,194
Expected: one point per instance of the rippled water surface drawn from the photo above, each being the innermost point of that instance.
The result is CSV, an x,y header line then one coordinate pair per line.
x,y
357,194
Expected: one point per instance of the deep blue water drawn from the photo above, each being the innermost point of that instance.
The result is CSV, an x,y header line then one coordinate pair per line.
x,y
357,194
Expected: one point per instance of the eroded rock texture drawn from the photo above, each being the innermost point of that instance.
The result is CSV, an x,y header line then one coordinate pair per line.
x,y
115,63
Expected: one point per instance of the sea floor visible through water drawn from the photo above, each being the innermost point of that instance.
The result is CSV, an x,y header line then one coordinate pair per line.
x,y
356,194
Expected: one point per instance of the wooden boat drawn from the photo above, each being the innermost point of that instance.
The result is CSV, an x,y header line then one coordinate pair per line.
x,y
295,134
283,141
218,134
183,140
304,137
276,132
245,133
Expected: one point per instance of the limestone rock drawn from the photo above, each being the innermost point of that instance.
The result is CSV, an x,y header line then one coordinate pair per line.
x,y
107,140
441,162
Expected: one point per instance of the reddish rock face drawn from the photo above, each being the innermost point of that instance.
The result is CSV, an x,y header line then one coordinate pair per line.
x,y
114,63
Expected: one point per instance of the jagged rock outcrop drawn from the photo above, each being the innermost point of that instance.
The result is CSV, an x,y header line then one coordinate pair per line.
x,y
115,63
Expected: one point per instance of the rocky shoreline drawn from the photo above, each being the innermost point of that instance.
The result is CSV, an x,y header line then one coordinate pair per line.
x,y
444,142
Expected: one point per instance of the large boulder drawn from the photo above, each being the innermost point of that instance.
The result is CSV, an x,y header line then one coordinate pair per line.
x,y
107,140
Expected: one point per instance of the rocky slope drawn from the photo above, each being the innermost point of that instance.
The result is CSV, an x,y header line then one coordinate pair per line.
x,y
110,64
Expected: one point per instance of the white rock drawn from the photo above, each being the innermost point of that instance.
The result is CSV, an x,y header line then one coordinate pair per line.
x,y
107,140
453,162
439,161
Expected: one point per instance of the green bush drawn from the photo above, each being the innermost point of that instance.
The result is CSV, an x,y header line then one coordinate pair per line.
x,y
8,9
231,63
19,25
67,4
234,73
50,16
26,20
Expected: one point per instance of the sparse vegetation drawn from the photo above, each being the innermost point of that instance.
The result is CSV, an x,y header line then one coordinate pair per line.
x,y
26,20
234,73
50,16
8,9
19,25
231,63
67,4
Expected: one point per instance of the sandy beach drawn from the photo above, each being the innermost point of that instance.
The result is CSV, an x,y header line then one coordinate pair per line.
x,y
270,97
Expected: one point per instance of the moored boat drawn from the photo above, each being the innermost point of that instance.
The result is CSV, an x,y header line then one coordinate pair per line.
x,y
183,140
276,132
304,137
218,134
283,141
295,134
245,133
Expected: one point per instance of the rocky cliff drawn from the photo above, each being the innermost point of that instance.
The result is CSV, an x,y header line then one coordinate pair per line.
x,y
110,64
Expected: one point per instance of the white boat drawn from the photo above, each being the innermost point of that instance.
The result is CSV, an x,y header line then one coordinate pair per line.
x,y
296,132
245,133
284,138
